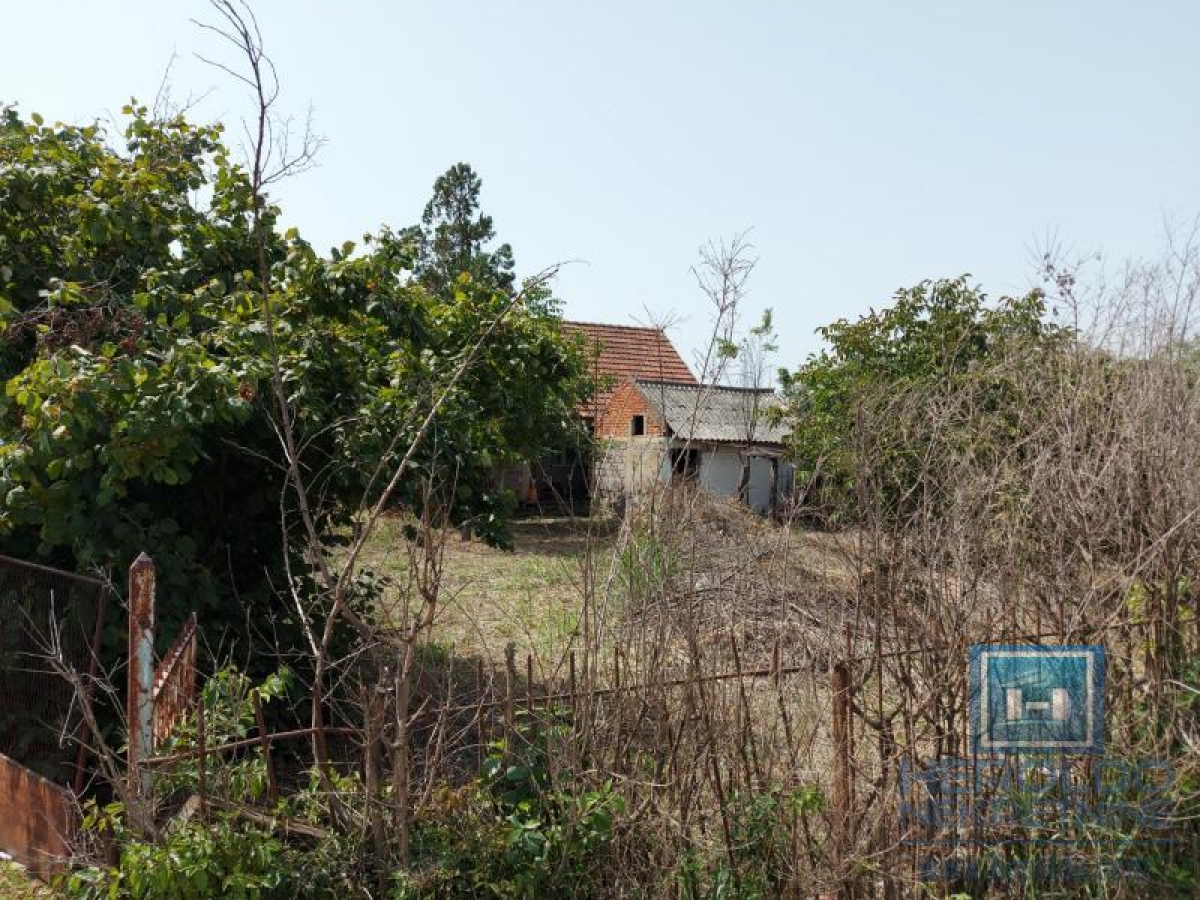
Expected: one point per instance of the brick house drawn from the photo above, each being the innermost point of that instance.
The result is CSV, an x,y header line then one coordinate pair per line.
x,y
617,354
653,421
620,353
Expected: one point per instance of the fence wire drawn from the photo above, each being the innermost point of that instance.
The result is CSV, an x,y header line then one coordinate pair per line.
x,y
44,612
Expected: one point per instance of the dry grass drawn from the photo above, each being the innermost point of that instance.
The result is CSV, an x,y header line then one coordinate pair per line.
x,y
531,596
719,628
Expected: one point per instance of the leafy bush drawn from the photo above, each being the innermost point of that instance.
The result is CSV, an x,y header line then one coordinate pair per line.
x,y
221,857
515,833
939,338
228,698
137,370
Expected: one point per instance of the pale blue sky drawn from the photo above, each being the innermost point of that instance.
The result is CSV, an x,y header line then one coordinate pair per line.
x,y
868,145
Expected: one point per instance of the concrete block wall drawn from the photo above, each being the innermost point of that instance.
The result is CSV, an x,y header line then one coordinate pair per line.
x,y
608,469
625,465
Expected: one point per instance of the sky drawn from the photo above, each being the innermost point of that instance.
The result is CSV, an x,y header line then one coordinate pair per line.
x,y
864,147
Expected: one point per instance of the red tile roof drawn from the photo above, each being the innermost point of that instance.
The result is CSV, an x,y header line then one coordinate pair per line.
x,y
627,351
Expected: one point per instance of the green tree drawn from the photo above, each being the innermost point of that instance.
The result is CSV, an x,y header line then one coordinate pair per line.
x,y
119,389
136,364
937,339
454,235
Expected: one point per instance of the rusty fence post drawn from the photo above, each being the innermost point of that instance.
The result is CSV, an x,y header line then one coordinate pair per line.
x,y
140,700
510,671
529,687
401,783
480,721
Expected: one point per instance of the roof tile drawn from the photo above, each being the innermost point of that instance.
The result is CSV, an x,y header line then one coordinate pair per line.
x,y
628,351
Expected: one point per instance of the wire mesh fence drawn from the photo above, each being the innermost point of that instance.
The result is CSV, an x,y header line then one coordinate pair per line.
x,y
46,613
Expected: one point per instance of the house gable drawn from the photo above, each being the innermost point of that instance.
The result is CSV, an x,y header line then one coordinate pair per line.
x,y
618,353
625,403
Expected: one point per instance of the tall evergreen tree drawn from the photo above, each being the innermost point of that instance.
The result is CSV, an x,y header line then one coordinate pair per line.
x,y
454,236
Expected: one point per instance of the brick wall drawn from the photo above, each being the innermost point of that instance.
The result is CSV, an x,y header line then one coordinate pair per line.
x,y
627,401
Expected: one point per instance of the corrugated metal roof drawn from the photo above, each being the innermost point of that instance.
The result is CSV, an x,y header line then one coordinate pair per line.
x,y
626,351
715,413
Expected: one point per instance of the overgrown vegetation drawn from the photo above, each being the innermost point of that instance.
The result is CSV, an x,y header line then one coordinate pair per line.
x,y
138,363
939,339
712,771
726,704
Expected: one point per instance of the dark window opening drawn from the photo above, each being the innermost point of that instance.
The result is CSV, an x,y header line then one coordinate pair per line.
x,y
685,463
637,425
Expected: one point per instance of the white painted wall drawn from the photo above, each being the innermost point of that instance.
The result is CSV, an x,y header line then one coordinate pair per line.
x,y
646,459
720,470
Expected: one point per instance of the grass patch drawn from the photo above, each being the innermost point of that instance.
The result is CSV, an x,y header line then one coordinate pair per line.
x,y
529,596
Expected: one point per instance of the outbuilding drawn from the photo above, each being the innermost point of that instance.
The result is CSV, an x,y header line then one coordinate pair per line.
x,y
726,440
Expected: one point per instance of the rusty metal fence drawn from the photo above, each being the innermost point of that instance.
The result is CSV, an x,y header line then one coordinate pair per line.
x,y
52,624
174,690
